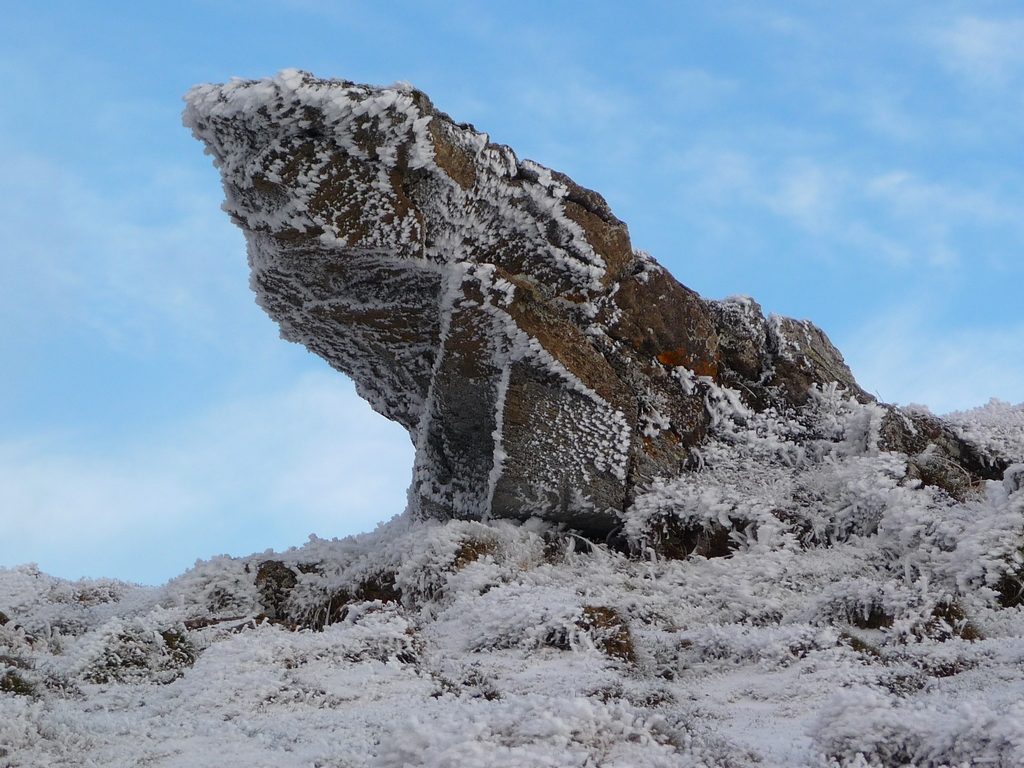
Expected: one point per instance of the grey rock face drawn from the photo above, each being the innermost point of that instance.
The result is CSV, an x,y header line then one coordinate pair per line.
x,y
493,307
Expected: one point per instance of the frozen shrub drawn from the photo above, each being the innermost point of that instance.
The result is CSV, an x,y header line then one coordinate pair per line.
x,y
541,731
376,631
333,604
867,727
139,650
609,630
221,586
13,682
997,427
774,646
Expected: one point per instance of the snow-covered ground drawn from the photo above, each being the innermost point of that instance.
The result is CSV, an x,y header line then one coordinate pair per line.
x,y
856,618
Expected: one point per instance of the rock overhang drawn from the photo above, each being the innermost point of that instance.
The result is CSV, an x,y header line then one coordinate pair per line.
x,y
493,307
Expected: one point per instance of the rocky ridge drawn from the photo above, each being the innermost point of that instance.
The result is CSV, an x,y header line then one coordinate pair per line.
x,y
498,311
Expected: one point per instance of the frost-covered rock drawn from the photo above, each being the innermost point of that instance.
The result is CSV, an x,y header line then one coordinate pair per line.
x,y
492,306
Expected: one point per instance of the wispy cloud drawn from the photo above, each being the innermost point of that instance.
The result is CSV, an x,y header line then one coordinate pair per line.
x,y
126,266
904,358
807,193
881,109
987,51
693,88
578,113
937,213
264,470
897,216
918,197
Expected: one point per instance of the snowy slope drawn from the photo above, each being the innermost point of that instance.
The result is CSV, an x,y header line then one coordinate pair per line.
x,y
853,618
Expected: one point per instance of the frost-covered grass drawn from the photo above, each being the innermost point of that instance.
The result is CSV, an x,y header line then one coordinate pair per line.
x,y
854,618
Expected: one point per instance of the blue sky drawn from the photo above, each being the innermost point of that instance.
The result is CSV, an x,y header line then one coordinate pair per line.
x,y
859,166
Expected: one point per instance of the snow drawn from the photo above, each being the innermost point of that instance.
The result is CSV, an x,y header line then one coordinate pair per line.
x,y
856,621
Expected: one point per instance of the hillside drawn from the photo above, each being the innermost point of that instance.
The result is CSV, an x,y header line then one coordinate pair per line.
x,y
854,618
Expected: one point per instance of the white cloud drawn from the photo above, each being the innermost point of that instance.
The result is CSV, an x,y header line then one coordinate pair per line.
x,y
935,216
902,357
884,116
894,217
882,108
986,51
717,174
129,267
574,107
920,198
807,194
691,88
767,19
265,470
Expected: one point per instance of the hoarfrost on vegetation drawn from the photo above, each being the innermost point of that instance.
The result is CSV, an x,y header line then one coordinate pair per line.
x,y
996,426
850,616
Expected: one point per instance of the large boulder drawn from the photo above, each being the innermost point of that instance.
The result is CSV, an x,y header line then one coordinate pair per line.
x,y
493,307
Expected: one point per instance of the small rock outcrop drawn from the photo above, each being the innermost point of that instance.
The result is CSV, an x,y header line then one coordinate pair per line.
x,y
496,309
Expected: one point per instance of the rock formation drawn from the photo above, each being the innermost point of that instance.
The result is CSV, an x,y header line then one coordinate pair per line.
x,y
497,310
